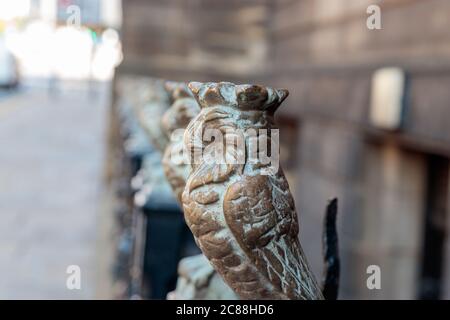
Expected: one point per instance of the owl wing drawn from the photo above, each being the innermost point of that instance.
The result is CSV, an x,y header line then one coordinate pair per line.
x,y
260,213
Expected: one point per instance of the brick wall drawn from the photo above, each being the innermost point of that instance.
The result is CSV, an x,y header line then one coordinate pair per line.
x,y
196,39
325,55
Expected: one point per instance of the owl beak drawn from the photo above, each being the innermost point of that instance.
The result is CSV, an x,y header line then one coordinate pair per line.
x,y
282,94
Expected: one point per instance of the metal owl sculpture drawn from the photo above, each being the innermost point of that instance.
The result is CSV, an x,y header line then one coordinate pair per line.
x,y
197,279
183,109
241,212
153,102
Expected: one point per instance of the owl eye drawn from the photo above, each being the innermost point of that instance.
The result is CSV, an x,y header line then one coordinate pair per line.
x,y
251,96
212,96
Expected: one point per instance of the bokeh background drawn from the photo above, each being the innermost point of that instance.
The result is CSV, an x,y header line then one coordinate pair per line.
x,y
392,182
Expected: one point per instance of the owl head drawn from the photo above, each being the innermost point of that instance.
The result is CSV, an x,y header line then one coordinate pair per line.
x,y
152,89
244,97
183,109
178,90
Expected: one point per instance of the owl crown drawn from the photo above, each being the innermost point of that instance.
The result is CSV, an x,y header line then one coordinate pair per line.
x,y
243,97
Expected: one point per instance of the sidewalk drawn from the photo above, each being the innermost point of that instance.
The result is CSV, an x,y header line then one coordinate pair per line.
x,y
51,159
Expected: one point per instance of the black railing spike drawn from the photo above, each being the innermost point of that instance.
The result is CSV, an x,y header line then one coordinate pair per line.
x,y
330,285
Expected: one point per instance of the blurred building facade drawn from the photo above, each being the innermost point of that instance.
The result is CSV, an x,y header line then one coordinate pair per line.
x,y
392,185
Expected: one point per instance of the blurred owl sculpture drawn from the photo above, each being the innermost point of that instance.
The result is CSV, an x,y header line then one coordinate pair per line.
x,y
197,279
154,101
183,109
242,215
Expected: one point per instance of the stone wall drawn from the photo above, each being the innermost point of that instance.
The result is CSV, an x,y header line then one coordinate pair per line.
x,y
325,55
196,39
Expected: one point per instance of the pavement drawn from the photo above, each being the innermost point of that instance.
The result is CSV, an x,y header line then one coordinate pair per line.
x,y
52,148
